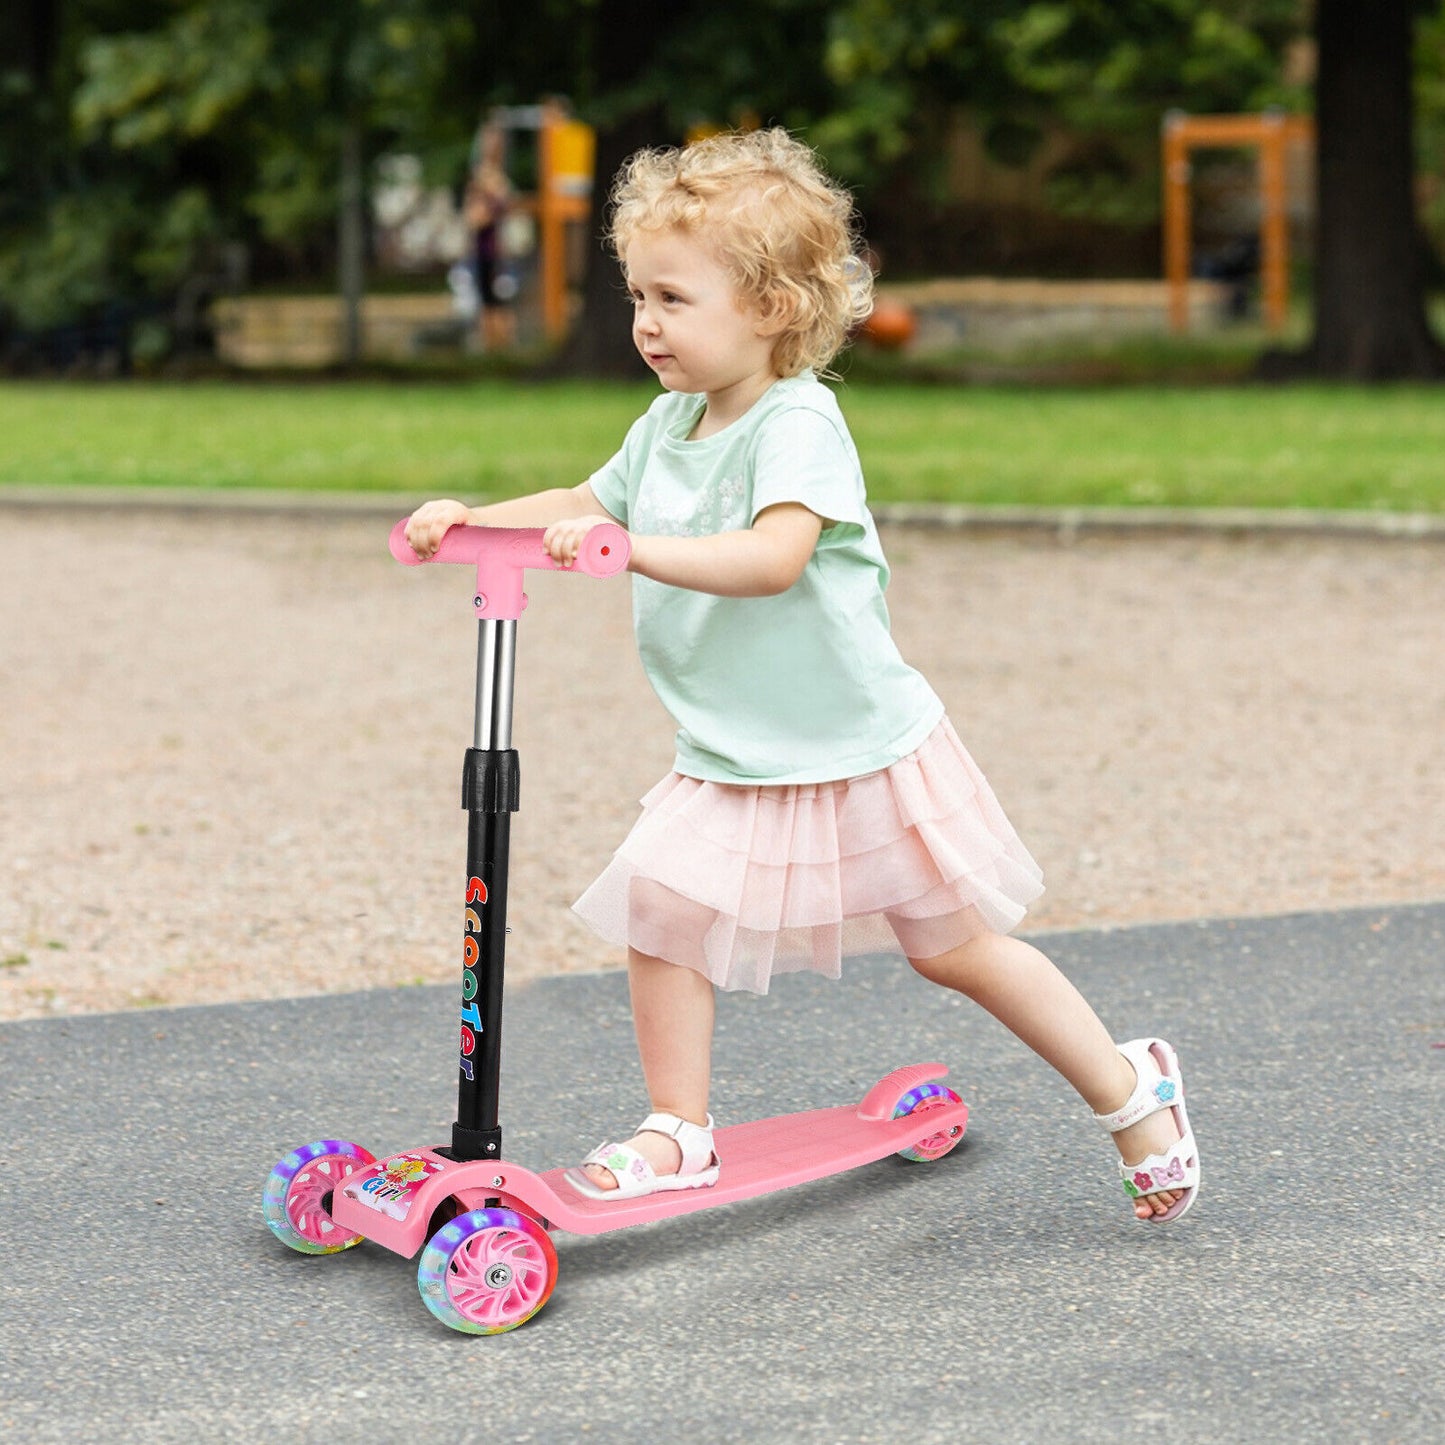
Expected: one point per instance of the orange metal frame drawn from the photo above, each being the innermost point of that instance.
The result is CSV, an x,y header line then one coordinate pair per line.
x,y
568,154
1272,133
566,150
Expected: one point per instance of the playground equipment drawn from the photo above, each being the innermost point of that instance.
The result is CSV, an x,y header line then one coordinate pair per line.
x,y
562,201
1272,133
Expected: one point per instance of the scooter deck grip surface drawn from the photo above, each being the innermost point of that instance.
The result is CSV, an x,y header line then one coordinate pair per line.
x,y
758,1158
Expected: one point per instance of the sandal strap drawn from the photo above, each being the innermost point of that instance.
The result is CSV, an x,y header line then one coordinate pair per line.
x,y
695,1140
634,1175
1152,1090
1175,1170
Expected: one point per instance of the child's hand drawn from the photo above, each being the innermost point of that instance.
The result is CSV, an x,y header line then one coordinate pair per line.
x,y
563,540
430,522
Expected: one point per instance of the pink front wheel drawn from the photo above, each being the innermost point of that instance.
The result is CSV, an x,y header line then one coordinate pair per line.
x,y
487,1271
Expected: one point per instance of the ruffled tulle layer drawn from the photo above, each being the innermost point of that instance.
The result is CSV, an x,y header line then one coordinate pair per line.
x,y
742,883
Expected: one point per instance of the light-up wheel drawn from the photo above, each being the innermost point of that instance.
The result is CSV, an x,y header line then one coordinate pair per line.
x,y
487,1271
923,1100
297,1199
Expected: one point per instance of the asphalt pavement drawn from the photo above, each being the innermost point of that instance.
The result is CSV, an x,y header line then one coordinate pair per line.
x,y
1001,1294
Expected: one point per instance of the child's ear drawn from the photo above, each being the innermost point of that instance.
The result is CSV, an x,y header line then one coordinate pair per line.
x,y
776,312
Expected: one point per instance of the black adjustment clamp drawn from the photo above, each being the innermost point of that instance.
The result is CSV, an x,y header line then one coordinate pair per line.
x,y
491,781
475,1143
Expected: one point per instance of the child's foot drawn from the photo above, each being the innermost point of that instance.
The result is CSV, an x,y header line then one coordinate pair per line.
x,y
665,1153
1159,1160
1154,1135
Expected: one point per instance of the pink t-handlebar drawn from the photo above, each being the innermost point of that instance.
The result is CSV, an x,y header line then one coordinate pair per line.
x,y
501,554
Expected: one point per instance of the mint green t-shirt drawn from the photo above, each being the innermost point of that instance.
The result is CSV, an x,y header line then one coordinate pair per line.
x,y
804,687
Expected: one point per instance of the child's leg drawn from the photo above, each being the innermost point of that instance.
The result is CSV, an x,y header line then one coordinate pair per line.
x,y
1023,989
672,1011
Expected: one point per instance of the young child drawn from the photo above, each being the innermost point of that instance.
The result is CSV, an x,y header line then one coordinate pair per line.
x,y
820,802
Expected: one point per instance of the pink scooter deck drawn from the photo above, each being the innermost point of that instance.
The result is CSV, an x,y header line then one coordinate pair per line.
x,y
392,1201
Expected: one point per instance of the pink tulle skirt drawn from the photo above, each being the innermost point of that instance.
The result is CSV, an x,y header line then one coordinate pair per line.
x,y
742,883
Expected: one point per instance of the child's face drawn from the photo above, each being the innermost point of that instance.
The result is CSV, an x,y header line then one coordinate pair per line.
x,y
689,323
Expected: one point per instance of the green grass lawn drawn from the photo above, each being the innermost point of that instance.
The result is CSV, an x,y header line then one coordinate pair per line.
x,y
1306,446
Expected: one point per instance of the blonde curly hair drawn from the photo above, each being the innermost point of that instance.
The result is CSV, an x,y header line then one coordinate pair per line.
x,y
785,232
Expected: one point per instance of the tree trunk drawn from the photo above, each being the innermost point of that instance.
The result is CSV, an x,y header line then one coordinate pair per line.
x,y
37,24
624,43
351,241
1370,320
626,38
600,343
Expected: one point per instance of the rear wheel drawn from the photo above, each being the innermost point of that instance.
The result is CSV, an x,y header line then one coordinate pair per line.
x,y
923,1100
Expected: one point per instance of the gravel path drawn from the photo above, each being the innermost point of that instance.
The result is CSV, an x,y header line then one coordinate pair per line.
x,y
232,745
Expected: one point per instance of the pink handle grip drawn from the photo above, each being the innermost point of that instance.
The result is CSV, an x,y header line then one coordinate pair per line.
x,y
501,554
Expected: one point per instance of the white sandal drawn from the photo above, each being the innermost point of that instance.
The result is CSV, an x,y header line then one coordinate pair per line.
x,y
1158,1085
636,1177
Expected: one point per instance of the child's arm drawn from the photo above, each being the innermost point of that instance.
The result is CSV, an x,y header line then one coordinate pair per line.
x,y
762,561
430,522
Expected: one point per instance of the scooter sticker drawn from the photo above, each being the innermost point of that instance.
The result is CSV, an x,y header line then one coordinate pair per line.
x,y
392,1188
471,1015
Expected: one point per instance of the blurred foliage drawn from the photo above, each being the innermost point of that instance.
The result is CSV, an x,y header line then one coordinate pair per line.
x,y
1105,71
136,139
142,139
1430,129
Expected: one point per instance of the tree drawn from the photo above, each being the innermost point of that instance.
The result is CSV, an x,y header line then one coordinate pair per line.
x,y
1112,70
1370,319
873,83
1100,72
650,73
58,212
192,122
269,109
138,136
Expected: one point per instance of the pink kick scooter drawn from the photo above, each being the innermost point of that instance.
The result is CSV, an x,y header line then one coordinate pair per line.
x,y
488,1263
